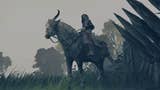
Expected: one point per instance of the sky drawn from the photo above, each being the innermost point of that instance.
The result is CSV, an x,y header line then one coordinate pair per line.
x,y
22,23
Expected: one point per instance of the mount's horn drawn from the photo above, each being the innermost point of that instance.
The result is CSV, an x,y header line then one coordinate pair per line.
x,y
56,15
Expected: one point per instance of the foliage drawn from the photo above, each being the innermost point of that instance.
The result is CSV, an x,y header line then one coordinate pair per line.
x,y
113,38
5,62
113,81
49,61
142,41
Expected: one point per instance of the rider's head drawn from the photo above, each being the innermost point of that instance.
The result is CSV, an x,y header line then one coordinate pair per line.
x,y
84,17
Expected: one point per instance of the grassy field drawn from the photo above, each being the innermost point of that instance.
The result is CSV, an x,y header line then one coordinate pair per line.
x,y
112,81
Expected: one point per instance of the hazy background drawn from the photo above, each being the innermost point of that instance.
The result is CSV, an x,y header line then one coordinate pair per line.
x,y
22,23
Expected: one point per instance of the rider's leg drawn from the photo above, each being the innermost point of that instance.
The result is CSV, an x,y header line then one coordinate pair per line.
x,y
90,50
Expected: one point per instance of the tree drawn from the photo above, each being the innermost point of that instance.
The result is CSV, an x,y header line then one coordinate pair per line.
x,y
113,38
49,61
5,62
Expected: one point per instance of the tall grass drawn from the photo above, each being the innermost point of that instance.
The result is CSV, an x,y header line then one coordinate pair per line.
x,y
112,81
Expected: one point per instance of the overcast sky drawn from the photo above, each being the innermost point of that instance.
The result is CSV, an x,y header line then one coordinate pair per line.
x,y
22,23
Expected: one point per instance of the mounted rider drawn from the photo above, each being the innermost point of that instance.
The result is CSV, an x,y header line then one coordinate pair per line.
x,y
86,32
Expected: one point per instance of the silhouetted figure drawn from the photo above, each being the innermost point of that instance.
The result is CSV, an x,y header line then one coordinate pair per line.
x,y
86,32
